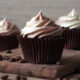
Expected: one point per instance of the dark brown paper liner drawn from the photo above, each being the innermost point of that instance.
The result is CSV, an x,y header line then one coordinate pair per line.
x,y
42,51
72,39
8,42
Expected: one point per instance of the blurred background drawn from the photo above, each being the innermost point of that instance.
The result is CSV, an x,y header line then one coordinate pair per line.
x,y
20,11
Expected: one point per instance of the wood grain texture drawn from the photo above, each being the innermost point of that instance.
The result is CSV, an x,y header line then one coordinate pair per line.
x,y
69,63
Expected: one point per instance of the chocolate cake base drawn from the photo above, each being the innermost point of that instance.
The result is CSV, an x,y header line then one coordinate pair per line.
x,y
8,42
72,39
42,51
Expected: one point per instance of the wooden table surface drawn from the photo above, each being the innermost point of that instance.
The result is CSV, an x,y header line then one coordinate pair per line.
x,y
69,63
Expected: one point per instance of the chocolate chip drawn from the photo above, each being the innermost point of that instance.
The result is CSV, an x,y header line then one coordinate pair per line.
x,y
18,58
12,60
24,78
18,78
22,61
6,57
5,77
9,51
1,58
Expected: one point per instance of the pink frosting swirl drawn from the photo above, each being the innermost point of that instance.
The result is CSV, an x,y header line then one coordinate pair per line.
x,y
41,26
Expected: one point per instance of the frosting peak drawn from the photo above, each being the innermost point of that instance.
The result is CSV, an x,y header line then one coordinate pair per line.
x,y
71,20
8,28
3,26
39,16
72,13
39,26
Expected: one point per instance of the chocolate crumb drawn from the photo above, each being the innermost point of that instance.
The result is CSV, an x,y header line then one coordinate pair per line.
x,y
12,60
18,58
24,78
5,77
22,61
18,78
1,57
6,57
9,51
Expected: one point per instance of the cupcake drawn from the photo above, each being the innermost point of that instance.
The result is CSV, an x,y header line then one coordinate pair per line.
x,y
41,40
8,35
71,27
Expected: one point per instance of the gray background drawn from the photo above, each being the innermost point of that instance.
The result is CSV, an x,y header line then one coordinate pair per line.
x,y
20,11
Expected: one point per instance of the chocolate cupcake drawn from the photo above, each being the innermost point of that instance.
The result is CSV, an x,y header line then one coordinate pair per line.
x,y
71,27
41,41
8,35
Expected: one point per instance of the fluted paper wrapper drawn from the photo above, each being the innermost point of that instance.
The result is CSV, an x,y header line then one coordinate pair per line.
x,y
8,42
72,39
42,51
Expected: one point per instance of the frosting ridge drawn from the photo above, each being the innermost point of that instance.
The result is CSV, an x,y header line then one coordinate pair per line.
x,y
40,26
7,28
3,26
71,20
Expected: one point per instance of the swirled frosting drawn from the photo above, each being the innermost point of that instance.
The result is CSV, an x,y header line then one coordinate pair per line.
x,y
70,21
40,26
4,26
7,28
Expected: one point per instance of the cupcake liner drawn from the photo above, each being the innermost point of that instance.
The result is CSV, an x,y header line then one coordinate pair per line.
x,y
8,42
72,39
42,51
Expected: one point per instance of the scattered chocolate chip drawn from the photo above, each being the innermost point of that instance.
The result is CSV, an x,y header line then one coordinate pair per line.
x,y
12,60
18,78
1,58
6,57
24,78
9,51
5,77
22,61
18,58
